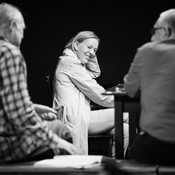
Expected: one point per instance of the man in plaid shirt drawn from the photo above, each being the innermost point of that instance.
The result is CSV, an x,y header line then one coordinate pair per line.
x,y
25,133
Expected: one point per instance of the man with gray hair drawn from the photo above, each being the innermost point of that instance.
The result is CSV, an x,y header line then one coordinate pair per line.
x,y
152,76
25,132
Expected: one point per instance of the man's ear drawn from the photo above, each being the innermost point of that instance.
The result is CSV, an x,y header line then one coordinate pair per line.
x,y
13,25
76,45
168,32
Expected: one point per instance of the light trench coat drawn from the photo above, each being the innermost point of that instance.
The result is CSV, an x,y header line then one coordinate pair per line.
x,y
74,87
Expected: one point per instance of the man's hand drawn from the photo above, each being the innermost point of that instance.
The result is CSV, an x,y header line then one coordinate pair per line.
x,y
45,112
59,128
66,148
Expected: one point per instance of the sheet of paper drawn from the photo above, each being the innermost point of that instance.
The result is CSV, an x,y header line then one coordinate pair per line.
x,y
74,161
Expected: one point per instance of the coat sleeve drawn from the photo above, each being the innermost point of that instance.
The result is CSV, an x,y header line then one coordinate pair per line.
x,y
93,68
88,86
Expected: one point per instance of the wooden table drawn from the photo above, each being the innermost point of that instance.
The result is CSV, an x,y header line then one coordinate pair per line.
x,y
109,166
123,103
28,168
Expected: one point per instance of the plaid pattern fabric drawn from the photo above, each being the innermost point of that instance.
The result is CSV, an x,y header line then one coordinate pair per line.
x,y
21,129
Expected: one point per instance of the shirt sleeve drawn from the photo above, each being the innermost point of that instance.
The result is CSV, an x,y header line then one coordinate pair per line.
x,y
132,78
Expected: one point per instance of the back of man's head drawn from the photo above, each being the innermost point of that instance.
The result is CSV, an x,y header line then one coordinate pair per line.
x,y
168,17
8,13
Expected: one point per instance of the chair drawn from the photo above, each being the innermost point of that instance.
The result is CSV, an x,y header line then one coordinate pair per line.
x,y
100,144
49,83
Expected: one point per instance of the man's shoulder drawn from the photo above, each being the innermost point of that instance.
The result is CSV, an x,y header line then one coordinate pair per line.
x,y
9,49
147,45
157,44
68,60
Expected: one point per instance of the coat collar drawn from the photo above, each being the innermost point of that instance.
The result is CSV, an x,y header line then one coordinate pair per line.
x,y
70,53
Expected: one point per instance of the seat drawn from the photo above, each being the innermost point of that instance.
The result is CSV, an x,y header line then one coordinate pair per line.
x,y
49,83
101,144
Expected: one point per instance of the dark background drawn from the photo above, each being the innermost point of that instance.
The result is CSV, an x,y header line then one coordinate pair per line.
x,y
122,26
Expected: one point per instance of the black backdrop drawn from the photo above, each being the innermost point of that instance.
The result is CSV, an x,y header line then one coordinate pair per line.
x,y
122,26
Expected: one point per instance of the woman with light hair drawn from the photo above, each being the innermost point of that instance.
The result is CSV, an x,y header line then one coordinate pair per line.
x,y
75,87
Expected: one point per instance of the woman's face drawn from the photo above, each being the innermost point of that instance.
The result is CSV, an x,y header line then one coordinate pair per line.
x,y
87,49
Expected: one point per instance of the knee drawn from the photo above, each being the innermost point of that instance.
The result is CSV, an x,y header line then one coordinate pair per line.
x,y
61,130
126,129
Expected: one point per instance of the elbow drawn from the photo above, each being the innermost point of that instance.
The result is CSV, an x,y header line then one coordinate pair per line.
x,y
133,94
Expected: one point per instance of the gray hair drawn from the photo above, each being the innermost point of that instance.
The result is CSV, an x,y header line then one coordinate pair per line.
x,y
80,37
8,13
168,17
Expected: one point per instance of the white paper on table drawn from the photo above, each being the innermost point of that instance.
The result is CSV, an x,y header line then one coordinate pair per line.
x,y
74,161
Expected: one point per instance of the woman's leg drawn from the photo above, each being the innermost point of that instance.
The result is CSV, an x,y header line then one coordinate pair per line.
x,y
102,121
60,129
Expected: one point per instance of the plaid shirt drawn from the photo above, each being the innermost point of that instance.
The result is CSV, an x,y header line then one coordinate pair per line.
x,y
21,129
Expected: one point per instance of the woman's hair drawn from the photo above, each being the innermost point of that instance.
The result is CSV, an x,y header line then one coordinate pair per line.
x,y
80,37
